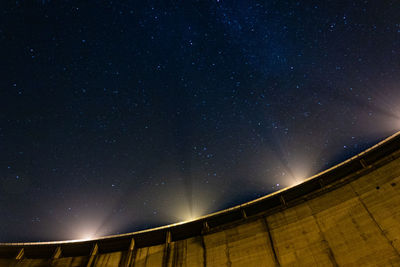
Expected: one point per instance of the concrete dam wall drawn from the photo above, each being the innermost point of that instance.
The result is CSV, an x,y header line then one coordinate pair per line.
x,y
348,215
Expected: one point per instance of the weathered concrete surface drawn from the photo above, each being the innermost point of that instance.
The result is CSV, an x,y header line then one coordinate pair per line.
x,y
187,252
244,245
356,223
334,229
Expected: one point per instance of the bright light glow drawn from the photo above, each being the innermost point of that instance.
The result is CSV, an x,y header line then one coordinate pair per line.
x,y
295,182
300,172
86,231
189,217
87,236
188,202
185,215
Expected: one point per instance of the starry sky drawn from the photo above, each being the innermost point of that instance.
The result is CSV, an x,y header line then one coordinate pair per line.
x,y
117,116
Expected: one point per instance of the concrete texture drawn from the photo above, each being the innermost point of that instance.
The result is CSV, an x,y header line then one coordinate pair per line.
x,y
351,219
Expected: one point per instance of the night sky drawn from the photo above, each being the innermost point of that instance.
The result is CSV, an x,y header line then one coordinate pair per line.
x,y
117,116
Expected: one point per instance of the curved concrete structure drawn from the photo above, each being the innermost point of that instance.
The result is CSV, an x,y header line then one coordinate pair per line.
x,y
348,215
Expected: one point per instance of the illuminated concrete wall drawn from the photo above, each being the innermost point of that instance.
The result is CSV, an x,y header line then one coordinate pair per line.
x,y
352,220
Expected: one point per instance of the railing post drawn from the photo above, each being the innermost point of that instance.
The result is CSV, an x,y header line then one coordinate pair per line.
x,y
168,239
20,254
57,253
282,200
363,163
206,227
244,215
130,253
321,183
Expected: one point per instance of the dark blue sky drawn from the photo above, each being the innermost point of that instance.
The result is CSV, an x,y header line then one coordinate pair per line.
x,y
117,116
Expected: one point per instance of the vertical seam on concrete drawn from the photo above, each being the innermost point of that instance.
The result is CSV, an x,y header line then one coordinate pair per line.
x,y
133,259
184,262
271,242
166,255
107,259
184,255
178,248
228,262
175,254
147,255
203,244
331,255
374,220
122,259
